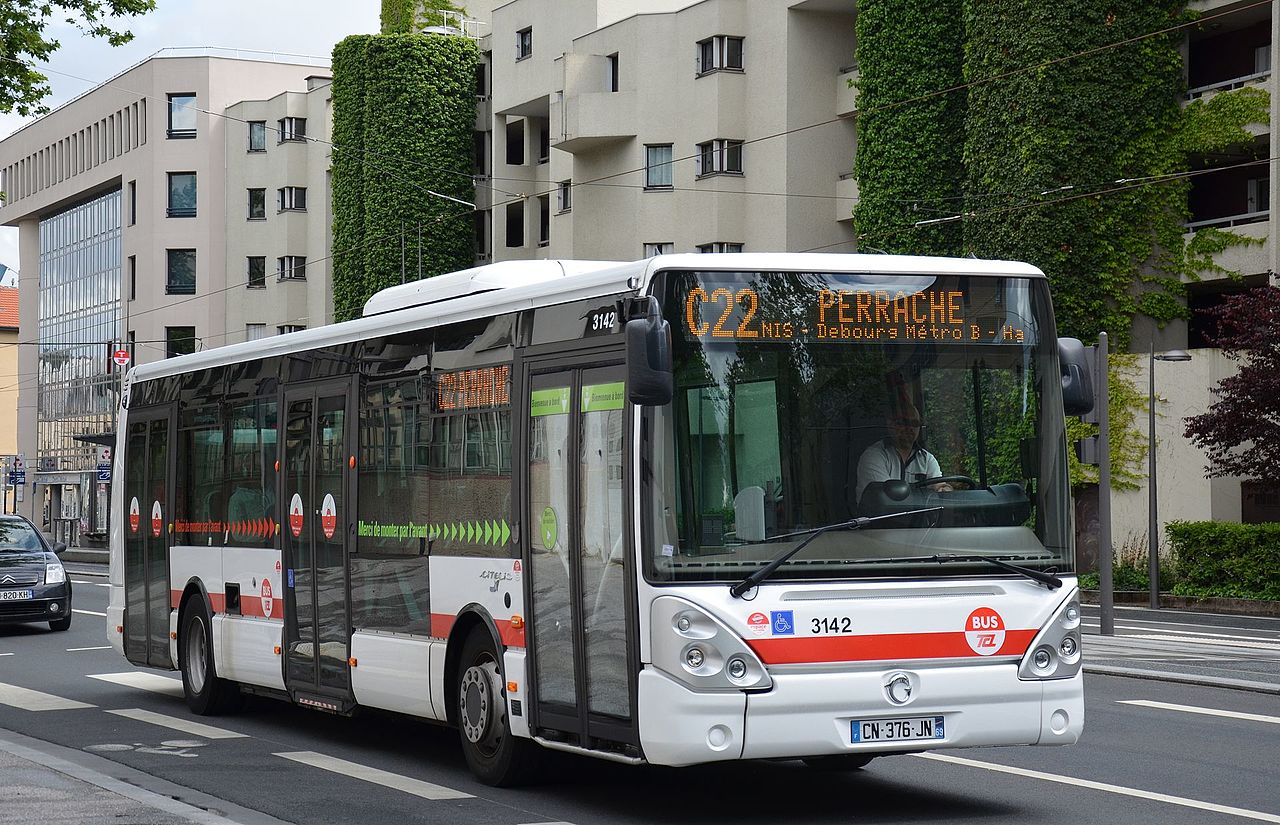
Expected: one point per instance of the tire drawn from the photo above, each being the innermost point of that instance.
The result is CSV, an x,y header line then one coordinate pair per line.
x,y
841,762
206,694
61,624
495,755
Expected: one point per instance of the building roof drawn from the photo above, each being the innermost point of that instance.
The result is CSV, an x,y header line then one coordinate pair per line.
x,y
8,307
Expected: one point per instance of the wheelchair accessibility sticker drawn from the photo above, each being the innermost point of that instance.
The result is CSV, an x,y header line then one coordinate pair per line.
x,y
783,622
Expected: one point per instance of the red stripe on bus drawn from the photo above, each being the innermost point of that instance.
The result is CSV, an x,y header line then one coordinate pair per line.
x,y
249,605
888,646
442,623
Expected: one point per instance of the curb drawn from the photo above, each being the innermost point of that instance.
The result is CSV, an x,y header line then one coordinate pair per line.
x,y
1183,678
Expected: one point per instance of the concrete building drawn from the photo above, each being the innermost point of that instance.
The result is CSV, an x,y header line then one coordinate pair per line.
x,y
133,204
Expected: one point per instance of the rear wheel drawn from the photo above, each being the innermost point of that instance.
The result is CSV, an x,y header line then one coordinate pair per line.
x,y
494,754
840,762
206,694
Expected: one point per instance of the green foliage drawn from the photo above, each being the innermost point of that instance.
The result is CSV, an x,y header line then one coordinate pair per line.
x,y
908,162
1125,577
23,41
411,16
404,113
1226,560
1128,445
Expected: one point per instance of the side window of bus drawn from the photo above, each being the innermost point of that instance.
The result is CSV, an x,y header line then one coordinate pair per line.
x,y
200,505
252,473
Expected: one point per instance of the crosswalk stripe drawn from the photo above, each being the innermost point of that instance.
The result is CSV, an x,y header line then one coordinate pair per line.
x,y
1229,714
143,681
27,699
417,787
184,725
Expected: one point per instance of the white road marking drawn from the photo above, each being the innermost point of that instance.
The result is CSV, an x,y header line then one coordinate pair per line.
x,y
1230,714
87,612
79,649
6,654
1163,637
143,681
184,725
27,699
417,787
1104,786
1183,633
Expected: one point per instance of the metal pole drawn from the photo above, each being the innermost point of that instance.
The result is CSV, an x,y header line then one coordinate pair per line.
x,y
1153,539
1106,587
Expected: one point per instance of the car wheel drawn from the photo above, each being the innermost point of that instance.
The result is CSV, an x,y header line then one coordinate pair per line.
x,y
206,694
61,624
840,762
494,754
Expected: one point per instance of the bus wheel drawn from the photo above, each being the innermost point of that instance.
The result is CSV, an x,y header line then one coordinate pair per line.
x,y
495,755
841,762
206,694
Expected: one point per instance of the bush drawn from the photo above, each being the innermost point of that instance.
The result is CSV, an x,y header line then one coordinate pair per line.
x,y
1222,559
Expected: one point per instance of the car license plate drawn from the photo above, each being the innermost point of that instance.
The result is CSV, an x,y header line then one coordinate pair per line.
x,y
897,730
14,595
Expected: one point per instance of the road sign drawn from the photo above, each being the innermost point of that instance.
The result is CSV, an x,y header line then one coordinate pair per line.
x,y
18,477
104,472
120,356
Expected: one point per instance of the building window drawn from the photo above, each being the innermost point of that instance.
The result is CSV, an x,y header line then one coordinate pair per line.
x,y
285,329
613,72
257,272
180,272
182,195
179,341
257,204
524,43
291,268
291,128
515,224
133,202
133,277
719,53
292,198
1258,195
719,246
255,332
515,143
544,220
544,143
482,81
719,157
659,248
182,115
657,166
564,194
257,136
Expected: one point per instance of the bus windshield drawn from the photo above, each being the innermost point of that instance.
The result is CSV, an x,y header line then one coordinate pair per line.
x,y
808,399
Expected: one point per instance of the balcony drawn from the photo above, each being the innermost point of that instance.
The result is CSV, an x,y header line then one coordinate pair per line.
x,y
1245,259
846,94
581,122
846,196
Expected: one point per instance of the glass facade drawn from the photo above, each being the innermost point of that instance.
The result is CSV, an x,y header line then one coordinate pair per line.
x,y
80,261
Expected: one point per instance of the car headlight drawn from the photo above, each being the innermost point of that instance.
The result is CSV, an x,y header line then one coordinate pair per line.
x,y
54,573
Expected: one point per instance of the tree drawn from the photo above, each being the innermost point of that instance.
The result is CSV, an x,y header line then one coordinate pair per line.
x,y
1240,431
23,42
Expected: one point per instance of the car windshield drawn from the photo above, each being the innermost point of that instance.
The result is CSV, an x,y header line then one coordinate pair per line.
x,y
807,399
18,537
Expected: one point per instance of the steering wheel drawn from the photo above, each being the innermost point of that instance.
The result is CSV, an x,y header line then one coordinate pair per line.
x,y
929,482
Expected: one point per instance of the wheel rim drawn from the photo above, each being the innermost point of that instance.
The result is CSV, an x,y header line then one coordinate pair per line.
x,y
480,706
196,666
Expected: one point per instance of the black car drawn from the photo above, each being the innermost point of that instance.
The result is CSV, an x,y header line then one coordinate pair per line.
x,y
34,586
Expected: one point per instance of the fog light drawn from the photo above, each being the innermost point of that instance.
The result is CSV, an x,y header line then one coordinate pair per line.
x,y
684,624
54,607
737,668
1042,658
1068,647
693,657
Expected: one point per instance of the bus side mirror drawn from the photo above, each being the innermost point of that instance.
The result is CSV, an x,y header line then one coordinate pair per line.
x,y
1077,383
649,375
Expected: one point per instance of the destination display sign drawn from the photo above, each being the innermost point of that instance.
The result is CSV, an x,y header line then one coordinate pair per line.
x,y
476,389
782,307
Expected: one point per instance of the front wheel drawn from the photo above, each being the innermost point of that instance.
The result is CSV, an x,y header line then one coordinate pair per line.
x,y
206,694
840,762
495,755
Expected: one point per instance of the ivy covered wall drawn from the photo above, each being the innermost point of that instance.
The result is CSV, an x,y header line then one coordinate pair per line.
x,y
403,118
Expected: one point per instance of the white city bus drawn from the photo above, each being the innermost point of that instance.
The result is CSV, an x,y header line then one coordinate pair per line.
x,y
626,510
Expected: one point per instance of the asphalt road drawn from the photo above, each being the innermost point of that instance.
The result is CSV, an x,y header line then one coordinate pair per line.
x,y
1137,763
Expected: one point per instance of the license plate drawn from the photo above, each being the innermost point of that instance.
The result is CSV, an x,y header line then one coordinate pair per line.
x,y
14,595
897,730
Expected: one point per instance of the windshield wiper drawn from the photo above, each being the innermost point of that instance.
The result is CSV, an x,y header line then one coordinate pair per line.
x,y
1047,579
853,524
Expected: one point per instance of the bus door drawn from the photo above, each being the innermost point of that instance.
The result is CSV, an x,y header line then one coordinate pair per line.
x,y
317,479
148,498
576,547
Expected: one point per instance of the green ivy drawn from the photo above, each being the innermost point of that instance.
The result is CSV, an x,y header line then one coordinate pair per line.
x,y
403,119
1128,447
410,16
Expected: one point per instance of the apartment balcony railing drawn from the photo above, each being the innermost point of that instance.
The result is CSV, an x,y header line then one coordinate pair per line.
x,y
1209,90
1247,259
846,94
1228,221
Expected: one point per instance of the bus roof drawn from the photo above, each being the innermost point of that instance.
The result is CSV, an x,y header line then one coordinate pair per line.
x,y
510,286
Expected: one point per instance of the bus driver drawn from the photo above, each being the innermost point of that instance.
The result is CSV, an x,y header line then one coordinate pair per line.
x,y
899,455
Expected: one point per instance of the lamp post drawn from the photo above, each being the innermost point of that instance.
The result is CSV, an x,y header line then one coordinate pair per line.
x,y
1153,537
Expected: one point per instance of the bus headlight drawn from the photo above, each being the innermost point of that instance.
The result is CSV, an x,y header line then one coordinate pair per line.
x,y
699,650
1055,652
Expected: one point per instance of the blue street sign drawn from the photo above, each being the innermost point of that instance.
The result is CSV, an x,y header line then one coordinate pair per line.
x,y
18,477
104,472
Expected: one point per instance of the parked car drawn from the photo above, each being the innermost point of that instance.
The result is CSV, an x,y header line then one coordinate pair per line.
x,y
34,586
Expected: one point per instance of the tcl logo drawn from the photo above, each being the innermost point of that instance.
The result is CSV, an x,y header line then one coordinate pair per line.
x,y
984,631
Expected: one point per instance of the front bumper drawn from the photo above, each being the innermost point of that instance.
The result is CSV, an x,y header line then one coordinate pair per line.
x,y
39,608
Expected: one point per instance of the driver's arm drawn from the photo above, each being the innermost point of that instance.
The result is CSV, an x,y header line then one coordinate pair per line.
x,y
872,466
935,471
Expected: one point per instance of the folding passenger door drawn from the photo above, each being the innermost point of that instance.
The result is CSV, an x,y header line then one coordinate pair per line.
x,y
148,500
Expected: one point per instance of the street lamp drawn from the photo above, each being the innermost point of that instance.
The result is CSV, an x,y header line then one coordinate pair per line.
x,y
1153,539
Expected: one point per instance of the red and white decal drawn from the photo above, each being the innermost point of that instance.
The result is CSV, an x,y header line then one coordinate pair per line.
x,y
515,568
295,515
157,519
984,631
135,516
758,623
267,601
328,516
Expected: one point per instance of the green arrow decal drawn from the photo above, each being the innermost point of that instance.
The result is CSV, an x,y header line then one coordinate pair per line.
x,y
506,531
488,532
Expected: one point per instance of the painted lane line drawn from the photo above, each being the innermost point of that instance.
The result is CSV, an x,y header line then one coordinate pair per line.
x,y
1189,633
143,681
417,787
79,649
95,584
87,612
184,725
1229,714
1162,637
27,699
6,654
1121,790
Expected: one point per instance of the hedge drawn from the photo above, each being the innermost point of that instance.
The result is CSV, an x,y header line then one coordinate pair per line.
x,y
1229,560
